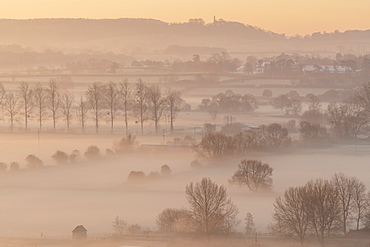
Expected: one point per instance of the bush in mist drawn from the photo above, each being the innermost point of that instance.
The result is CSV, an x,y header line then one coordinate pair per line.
x,y
290,102
134,229
230,102
313,133
195,164
32,162
215,146
3,167
136,176
73,156
275,135
165,170
14,166
154,176
61,158
267,93
92,152
119,226
211,208
253,174
109,152
174,220
126,144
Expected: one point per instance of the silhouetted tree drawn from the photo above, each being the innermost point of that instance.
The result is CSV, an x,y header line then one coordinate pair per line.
x,y
81,112
33,162
141,106
126,100
53,99
165,170
323,209
250,227
253,174
14,167
275,135
174,220
156,104
40,101
25,93
291,218
92,152
12,107
211,209
67,101
60,157
95,101
173,101
119,226
112,102
215,146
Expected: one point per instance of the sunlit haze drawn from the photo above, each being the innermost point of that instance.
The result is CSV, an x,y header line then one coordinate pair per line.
x,y
283,16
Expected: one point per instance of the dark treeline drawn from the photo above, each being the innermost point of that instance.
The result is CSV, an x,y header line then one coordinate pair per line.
x,y
100,102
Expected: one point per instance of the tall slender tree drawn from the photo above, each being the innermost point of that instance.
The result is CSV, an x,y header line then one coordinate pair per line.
x,y
95,100
126,100
67,100
112,102
12,107
25,93
141,106
40,101
156,104
81,112
173,101
53,97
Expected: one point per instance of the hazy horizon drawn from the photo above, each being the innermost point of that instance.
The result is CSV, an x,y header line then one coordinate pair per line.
x,y
287,16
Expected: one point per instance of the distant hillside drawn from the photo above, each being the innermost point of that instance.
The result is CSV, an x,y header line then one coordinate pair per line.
x,y
148,34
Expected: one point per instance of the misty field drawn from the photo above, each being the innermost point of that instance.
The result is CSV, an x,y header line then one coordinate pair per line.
x,y
55,199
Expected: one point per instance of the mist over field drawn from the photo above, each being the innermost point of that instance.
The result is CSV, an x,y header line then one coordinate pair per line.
x,y
150,133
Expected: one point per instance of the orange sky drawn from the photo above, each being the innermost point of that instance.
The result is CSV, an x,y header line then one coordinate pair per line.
x,y
282,16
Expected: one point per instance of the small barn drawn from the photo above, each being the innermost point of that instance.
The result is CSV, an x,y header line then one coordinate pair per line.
x,y
79,233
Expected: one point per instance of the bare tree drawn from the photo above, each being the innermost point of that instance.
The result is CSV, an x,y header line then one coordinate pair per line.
x,y
81,112
212,210
362,96
112,102
25,93
95,100
345,190
253,174
214,146
250,227
291,216
53,98
141,103
174,220
119,226
126,100
275,135
40,103
173,105
156,104
12,107
67,100
323,208
2,94
360,202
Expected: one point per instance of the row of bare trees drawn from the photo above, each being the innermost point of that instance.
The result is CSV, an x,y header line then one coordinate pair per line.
x,y
102,101
322,208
